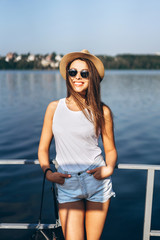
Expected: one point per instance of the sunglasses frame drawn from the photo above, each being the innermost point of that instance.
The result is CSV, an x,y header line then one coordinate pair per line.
x,y
81,72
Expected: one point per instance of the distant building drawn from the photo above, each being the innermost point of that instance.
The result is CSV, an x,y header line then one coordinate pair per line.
x,y
44,62
31,58
58,58
157,53
48,58
18,58
9,57
54,64
57,64
48,62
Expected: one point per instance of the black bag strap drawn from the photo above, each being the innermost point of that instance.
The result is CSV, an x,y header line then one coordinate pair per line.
x,y
42,197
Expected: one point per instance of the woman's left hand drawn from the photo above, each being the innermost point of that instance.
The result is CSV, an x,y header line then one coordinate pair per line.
x,y
101,172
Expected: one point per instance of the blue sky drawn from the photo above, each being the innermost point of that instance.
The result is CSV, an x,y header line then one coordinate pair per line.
x,y
103,27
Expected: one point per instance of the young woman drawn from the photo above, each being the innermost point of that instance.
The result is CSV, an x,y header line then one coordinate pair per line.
x,y
83,181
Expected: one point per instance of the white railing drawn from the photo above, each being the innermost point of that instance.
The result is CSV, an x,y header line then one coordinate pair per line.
x,y
147,232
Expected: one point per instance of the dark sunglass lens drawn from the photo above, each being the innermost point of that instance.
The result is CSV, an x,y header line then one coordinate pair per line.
x,y
72,72
84,74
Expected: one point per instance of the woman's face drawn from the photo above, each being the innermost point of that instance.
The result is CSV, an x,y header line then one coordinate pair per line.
x,y
78,83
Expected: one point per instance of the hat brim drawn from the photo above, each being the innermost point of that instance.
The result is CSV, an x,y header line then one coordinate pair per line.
x,y
71,56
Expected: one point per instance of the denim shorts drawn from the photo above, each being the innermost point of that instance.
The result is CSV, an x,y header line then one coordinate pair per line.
x,y
83,185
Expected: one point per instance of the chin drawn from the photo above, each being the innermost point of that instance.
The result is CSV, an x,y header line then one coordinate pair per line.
x,y
79,90
82,92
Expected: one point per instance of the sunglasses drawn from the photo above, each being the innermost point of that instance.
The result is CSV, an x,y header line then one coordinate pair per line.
x,y
73,73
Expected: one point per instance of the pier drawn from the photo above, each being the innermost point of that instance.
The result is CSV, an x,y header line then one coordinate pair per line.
x,y
147,231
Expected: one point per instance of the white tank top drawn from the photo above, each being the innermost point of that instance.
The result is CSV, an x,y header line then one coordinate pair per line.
x,y
75,139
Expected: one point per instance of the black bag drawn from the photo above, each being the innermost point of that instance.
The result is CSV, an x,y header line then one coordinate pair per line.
x,y
49,233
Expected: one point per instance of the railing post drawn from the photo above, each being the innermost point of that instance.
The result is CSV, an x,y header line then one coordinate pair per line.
x,y
148,204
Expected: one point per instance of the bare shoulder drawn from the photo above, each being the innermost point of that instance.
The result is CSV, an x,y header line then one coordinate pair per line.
x,y
107,112
51,108
52,105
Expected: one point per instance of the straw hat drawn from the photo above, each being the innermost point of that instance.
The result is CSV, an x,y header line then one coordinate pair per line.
x,y
83,54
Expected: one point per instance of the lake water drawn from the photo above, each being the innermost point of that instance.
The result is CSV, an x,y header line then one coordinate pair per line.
x,y
133,96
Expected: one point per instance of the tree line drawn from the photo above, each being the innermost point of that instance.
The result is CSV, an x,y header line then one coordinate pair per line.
x,y
123,61
129,61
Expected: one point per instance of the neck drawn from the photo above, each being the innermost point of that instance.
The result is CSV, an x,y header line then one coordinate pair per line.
x,y
81,96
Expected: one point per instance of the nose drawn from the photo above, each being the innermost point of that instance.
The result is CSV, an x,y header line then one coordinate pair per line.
x,y
78,76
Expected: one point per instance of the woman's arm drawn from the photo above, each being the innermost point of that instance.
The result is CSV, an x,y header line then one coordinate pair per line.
x,y
108,140
109,147
46,136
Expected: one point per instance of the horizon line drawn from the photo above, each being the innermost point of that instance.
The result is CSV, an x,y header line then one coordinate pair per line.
x,y
99,54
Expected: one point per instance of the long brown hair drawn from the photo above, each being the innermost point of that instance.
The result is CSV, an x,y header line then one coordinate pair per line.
x,y
92,99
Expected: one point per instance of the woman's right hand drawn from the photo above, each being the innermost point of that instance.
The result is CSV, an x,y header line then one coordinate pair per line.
x,y
57,177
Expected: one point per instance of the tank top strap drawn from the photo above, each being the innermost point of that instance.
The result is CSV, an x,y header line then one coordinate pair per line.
x,y
61,102
60,105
